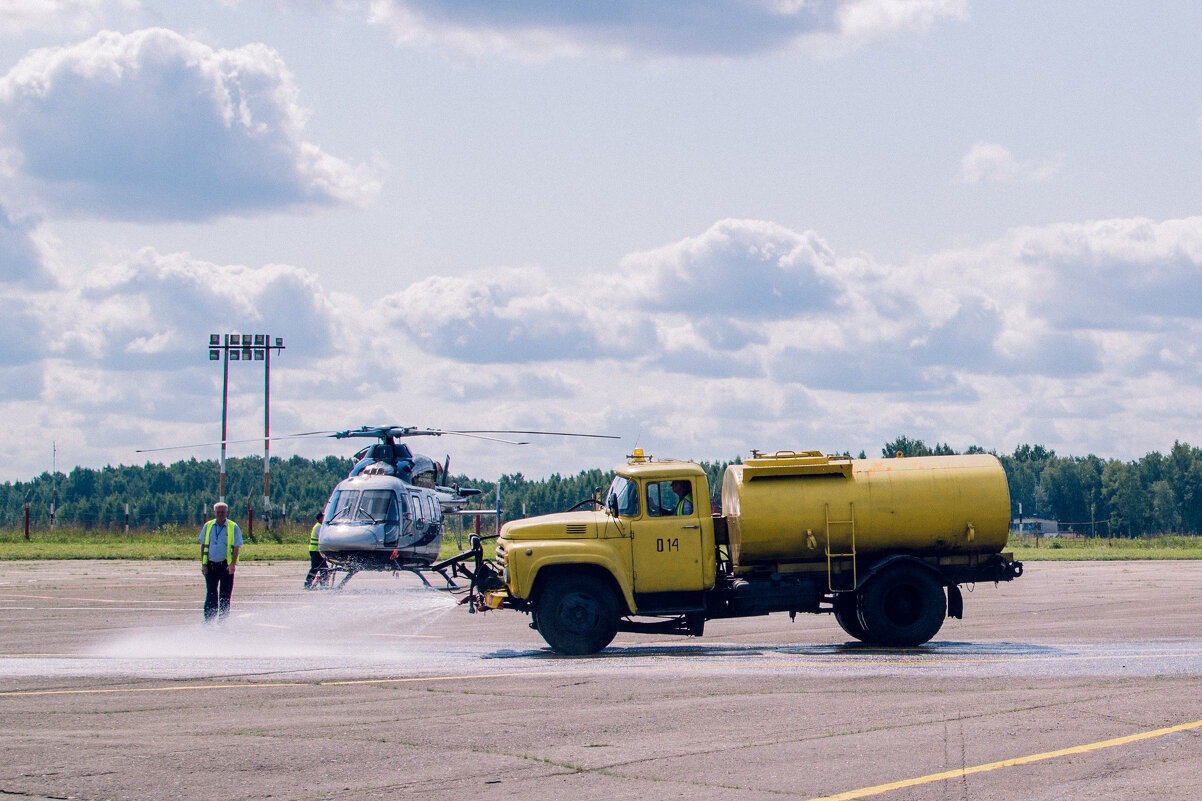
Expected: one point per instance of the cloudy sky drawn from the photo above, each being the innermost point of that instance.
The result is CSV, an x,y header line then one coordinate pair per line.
x,y
703,226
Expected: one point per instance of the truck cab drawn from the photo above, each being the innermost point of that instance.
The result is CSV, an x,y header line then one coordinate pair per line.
x,y
649,550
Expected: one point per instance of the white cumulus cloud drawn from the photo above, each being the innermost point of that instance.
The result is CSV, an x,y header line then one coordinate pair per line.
x,y
150,311
989,162
74,16
737,269
656,28
20,259
155,126
510,315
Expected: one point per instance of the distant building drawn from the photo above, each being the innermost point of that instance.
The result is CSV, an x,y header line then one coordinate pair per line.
x,y
1035,526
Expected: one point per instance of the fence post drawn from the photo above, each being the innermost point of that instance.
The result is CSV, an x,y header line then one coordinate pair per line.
x,y
27,521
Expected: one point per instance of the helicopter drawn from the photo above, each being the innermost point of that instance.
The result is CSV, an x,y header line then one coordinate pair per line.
x,y
389,513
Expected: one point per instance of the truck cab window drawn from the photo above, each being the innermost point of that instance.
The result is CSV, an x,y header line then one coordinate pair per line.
x,y
668,498
625,493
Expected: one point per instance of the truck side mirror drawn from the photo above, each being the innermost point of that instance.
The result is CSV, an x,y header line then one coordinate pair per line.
x,y
612,505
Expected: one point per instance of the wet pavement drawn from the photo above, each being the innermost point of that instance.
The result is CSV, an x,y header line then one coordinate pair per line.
x,y
111,687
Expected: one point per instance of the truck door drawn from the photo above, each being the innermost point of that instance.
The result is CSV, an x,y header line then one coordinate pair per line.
x,y
666,539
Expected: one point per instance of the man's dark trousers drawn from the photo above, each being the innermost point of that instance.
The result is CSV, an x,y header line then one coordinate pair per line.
x,y
219,585
316,563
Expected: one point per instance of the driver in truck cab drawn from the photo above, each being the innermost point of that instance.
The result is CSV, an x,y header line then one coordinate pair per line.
x,y
684,495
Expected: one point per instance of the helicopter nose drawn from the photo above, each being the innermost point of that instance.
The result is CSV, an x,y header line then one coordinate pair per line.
x,y
350,538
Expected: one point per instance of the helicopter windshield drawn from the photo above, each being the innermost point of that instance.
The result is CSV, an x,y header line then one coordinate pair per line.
x,y
378,506
367,506
626,493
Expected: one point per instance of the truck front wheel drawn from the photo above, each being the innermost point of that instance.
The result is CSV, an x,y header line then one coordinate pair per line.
x,y
904,605
577,613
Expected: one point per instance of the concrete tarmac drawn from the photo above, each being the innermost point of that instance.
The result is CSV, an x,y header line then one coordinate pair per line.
x,y
1077,681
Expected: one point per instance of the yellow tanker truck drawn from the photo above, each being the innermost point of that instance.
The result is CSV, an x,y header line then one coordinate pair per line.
x,y
883,544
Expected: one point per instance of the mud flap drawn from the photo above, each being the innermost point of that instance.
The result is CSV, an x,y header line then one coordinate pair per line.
x,y
955,602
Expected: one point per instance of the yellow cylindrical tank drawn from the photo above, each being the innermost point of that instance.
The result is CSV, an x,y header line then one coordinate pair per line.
x,y
798,507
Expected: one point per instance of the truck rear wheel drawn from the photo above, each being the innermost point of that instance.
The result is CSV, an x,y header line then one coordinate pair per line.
x,y
577,613
904,605
847,615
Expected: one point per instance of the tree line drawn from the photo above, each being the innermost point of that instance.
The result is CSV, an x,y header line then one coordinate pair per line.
x,y
1158,494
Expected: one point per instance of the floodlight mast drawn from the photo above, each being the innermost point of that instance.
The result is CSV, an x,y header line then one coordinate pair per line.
x,y
246,347
219,349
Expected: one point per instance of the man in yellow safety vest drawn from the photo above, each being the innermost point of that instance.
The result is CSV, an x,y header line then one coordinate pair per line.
x,y
317,562
684,498
220,540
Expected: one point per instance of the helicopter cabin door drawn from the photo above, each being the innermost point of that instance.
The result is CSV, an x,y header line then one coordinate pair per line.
x,y
392,519
427,518
666,539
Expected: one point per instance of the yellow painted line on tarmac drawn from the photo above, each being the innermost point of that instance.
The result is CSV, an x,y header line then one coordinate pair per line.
x,y
63,598
276,684
880,789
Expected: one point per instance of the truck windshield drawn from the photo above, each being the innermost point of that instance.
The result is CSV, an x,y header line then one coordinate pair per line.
x,y
625,493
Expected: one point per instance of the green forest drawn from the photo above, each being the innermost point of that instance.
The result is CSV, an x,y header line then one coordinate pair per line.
x,y
1158,494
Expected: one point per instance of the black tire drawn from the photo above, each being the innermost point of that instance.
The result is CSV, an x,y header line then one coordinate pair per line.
x,y
847,615
577,613
903,605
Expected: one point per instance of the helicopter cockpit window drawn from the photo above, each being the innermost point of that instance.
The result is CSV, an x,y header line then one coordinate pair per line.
x,y
368,506
626,493
378,506
342,506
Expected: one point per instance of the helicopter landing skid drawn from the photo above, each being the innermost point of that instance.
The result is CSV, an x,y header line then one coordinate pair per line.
x,y
418,571
325,578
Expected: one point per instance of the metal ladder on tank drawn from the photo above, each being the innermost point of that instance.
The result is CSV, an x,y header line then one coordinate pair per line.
x,y
849,526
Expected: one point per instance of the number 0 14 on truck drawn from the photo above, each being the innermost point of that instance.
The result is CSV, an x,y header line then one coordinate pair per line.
x,y
882,544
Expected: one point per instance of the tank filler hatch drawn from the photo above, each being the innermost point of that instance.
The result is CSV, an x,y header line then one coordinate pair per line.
x,y
795,463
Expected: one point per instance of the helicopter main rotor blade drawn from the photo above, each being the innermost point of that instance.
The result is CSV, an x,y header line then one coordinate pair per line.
x,y
396,432
399,432
540,433
234,441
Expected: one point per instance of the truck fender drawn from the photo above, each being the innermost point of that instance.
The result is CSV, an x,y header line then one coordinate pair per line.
x,y
889,561
592,568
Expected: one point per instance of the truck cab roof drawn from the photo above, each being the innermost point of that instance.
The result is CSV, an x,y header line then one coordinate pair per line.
x,y
646,468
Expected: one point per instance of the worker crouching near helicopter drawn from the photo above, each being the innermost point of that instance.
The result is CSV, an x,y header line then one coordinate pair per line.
x,y
317,562
219,548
